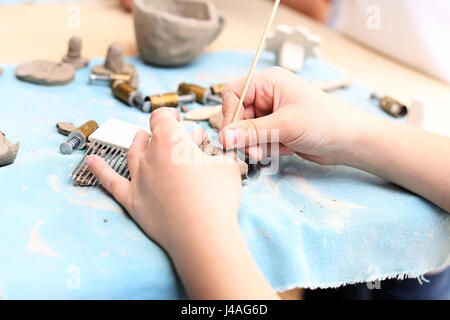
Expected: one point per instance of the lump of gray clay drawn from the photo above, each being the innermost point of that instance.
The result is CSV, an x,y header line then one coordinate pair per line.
x,y
114,63
8,151
46,72
73,56
174,32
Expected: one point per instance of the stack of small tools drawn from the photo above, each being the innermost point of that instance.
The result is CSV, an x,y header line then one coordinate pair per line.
x,y
123,90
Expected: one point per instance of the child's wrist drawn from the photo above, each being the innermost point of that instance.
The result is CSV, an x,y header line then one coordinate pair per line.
x,y
200,236
360,144
355,141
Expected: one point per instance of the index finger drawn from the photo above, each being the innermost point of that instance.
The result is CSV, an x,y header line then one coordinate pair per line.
x,y
166,128
231,96
114,183
260,99
164,117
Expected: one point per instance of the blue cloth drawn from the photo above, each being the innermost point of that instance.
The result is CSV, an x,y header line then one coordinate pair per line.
x,y
308,226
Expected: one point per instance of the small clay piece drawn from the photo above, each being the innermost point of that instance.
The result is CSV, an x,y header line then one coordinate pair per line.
x,y
73,56
243,166
174,32
8,151
293,46
211,150
184,108
1,71
65,128
114,64
216,120
46,73
203,113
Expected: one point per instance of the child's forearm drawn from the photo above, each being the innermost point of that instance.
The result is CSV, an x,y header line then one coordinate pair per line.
x,y
414,159
317,9
218,265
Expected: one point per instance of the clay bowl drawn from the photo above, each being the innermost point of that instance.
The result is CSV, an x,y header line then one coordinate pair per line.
x,y
174,32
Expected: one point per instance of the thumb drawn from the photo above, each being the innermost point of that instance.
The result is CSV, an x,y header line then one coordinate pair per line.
x,y
252,132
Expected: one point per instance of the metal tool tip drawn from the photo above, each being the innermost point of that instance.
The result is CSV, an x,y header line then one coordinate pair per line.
x,y
66,148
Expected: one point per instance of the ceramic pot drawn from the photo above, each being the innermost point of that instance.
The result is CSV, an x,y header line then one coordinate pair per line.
x,y
174,32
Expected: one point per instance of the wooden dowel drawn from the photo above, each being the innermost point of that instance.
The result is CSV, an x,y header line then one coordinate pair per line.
x,y
255,60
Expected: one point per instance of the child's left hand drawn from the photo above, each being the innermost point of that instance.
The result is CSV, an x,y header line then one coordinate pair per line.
x,y
177,193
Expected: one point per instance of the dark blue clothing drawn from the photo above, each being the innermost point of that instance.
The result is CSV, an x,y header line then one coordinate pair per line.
x,y
438,288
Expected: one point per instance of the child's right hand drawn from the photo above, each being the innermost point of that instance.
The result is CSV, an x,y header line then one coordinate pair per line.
x,y
323,129
310,122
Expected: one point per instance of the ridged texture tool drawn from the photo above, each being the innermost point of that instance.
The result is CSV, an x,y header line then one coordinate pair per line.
x,y
111,143
115,156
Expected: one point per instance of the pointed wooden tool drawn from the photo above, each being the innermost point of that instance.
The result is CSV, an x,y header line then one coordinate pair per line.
x,y
255,60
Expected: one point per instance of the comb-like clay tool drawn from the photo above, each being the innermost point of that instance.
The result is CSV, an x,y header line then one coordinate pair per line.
x,y
111,142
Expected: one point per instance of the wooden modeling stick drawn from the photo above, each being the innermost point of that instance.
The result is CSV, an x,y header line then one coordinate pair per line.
x,y
255,60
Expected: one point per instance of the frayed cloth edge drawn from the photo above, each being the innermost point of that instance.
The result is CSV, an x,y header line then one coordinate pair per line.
x,y
394,275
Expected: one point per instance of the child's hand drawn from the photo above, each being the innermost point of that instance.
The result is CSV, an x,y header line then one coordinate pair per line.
x,y
174,201
310,122
320,128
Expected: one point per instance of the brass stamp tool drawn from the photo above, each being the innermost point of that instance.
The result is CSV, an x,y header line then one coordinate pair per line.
x,y
133,97
168,100
391,106
78,138
202,95
111,142
127,94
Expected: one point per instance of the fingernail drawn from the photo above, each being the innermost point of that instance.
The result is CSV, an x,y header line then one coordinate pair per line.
x,y
230,138
89,161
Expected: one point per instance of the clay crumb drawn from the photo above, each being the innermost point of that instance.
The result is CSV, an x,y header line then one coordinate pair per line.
x,y
105,220
211,150
184,108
